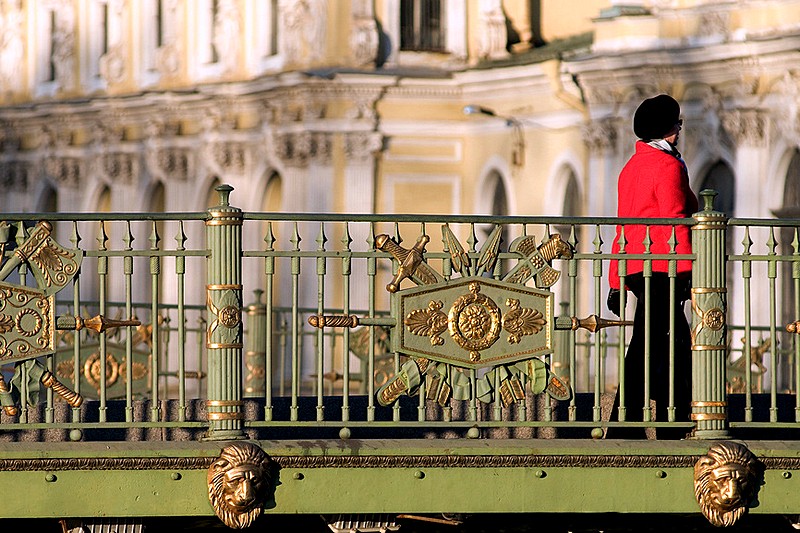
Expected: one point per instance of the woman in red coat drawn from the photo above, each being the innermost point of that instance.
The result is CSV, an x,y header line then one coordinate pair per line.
x,y
655,184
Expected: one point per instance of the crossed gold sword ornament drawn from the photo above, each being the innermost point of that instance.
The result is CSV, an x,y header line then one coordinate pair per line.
x,y
27,316
456,321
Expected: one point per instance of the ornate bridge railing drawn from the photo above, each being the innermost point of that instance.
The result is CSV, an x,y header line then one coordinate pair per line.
x,y
232,324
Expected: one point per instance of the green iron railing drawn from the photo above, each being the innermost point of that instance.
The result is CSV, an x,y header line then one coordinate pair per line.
x,y
227,348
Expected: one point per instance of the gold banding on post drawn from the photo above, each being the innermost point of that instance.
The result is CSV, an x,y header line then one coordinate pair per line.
x,y
709,404
226,416
707,348
225,218
224,403
709,290
224,287
793,327
708,416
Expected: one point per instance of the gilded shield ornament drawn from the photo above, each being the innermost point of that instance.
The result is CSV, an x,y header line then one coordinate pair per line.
x,y
460,322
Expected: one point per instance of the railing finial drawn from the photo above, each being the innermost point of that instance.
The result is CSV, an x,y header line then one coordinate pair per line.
x,y
224,194
708,196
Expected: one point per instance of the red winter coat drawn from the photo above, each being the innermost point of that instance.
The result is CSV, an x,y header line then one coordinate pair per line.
x,y
653,184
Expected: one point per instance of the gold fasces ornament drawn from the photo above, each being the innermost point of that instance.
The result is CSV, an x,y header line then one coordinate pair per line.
x,y
240,483
726,482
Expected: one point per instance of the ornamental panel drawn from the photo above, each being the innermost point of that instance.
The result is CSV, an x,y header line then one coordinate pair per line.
x,y
475,322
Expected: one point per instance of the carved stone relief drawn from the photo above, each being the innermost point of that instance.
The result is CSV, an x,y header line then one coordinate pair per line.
x,y
227,34
67,171
493,35
170,163
361,147
118,167
114,65
364,36
12,49
304,30
15,175
601,136
168,55
63,50
746,126
298,149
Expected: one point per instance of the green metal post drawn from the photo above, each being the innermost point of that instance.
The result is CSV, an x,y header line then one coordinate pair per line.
x,y
224,305
709,312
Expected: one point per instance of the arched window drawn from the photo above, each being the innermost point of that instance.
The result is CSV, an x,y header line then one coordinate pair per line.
x,y
273,194
48,200
720,178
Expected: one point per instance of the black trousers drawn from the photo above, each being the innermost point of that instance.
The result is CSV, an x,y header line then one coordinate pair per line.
x,y
659,358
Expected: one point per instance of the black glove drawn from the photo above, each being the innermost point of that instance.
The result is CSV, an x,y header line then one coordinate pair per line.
x,y
612,302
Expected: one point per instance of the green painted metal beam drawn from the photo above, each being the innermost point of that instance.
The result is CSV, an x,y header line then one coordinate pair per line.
x,y
420,476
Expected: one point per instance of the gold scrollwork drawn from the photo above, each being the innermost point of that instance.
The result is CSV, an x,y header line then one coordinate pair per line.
x,y
430,322
240,482
474,320
726,482
520,321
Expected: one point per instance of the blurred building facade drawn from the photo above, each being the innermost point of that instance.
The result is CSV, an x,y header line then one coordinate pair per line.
x,y
359,106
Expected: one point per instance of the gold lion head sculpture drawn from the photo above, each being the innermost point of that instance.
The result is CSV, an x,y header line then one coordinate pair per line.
x,y
239,482
726,481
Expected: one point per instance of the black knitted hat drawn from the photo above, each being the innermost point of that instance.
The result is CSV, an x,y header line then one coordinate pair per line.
x,y
655,117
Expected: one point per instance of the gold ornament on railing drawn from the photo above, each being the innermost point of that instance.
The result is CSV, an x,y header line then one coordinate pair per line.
x,y
458,314
726,482
240,482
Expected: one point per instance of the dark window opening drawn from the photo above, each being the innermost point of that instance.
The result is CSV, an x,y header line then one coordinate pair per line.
x,y
421,28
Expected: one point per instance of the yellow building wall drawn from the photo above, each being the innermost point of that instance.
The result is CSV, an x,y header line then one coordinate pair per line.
x,y
565,18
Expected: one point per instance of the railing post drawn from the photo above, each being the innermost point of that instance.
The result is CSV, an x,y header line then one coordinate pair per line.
x,y
255,356
224,333
709,312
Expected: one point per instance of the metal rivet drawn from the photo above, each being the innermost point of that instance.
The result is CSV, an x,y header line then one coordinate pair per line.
x,y
344,433
75,435
597,433
50,478
298,475
661,474
540,473
419,474
787,475
474,432
176,476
